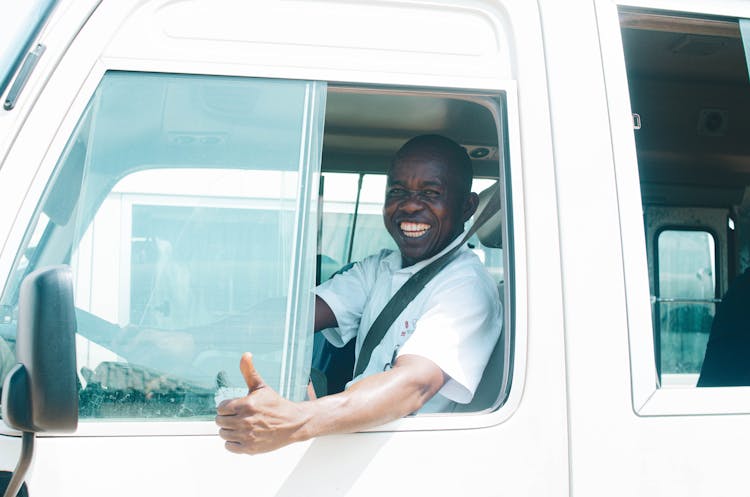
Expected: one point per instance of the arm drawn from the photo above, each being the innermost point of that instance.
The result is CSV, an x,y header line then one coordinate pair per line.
x,y
264,421
324,317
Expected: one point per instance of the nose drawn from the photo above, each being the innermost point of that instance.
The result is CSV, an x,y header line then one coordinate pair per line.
x,y
411,203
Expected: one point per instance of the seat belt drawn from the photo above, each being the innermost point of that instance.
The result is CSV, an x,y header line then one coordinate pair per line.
x,y
415,284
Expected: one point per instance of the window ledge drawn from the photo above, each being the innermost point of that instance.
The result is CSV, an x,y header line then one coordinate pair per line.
x,y
672,401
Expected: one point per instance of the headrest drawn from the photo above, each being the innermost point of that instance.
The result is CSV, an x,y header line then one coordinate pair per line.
x,y
491,232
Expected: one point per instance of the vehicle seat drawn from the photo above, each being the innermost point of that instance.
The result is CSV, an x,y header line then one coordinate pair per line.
x,y
725,363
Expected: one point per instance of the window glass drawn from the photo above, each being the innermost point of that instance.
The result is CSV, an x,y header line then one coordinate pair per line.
x,y
352,225
370,234
339,198
180,205
685,301
488,248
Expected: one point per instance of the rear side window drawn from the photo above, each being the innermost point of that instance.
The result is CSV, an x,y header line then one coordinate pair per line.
x,y
690,94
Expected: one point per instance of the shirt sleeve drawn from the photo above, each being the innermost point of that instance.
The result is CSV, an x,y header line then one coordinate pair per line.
x,y
346,294
458,331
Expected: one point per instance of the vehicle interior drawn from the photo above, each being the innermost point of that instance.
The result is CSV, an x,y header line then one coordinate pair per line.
x,y
689,95
364,143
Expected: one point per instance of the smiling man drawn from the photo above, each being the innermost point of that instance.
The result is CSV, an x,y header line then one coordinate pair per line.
x,y
432,356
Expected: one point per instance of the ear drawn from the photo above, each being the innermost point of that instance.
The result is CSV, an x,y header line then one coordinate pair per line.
x,y
470,205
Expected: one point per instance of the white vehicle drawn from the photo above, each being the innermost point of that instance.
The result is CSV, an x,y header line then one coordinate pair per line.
x,y
200,164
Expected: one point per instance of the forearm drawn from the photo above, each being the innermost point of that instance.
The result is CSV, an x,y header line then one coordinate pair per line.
x,y
263,420
374,400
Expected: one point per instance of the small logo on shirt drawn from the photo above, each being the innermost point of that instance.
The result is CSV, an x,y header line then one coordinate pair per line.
x,y
407,327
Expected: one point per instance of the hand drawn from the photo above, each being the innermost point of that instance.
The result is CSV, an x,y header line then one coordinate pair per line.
x,y
261,421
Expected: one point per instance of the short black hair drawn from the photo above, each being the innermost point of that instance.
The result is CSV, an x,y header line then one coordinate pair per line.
x,y
444,149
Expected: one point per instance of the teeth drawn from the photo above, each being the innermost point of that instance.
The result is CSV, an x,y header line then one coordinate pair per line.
x,y
414,230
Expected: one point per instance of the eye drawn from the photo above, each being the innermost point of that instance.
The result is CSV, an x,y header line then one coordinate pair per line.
x,y
396,191
429,193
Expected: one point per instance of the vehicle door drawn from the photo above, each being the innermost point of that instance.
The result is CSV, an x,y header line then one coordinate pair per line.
x,y
664,234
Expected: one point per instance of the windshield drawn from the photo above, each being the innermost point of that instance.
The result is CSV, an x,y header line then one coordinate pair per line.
x,y
24,20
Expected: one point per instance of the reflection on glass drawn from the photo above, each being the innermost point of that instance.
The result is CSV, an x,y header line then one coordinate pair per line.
x,y
188,277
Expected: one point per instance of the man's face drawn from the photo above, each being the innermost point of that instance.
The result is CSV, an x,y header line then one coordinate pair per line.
x,y
424,208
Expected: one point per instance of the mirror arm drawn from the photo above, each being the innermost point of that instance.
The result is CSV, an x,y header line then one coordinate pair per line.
x,y
24,461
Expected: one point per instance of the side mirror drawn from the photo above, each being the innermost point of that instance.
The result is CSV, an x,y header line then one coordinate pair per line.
x,y
40,393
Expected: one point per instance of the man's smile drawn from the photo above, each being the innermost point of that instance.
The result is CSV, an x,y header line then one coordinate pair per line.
x,y
414,230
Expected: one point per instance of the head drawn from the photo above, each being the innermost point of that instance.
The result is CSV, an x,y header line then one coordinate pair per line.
x,y
428,196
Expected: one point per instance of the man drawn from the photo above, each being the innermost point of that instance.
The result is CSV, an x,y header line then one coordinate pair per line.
x,y
434,353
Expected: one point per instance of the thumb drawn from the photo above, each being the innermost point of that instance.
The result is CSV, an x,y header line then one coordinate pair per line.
x,y
252,377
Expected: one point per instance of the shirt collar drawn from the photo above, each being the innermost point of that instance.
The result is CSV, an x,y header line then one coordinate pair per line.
x,y
393,260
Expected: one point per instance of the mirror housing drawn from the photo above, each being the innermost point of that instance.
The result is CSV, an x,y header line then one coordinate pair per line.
x,y
40,394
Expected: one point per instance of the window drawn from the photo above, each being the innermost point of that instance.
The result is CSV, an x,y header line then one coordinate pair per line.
x,y
352,222
191,209
685,301
182,204
688,82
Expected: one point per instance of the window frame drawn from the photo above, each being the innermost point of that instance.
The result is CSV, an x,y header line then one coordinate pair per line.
x,y
514,316
648,399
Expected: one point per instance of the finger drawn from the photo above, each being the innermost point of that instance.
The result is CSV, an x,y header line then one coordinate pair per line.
x,y
226,421
226,408
235,447
252,377
228,435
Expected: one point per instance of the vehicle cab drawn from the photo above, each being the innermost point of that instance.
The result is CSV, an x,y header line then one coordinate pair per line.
x,y
201,165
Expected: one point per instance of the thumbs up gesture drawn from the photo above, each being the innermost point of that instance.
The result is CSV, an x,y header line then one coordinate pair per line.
x,y
262,420
252,377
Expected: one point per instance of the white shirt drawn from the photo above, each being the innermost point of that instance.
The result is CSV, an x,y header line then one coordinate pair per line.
x,y
454,321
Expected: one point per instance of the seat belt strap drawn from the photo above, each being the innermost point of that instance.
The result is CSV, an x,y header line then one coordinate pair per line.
x,y
414,285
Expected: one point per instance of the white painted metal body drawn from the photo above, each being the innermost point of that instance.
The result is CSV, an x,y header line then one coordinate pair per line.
x,y
583,417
